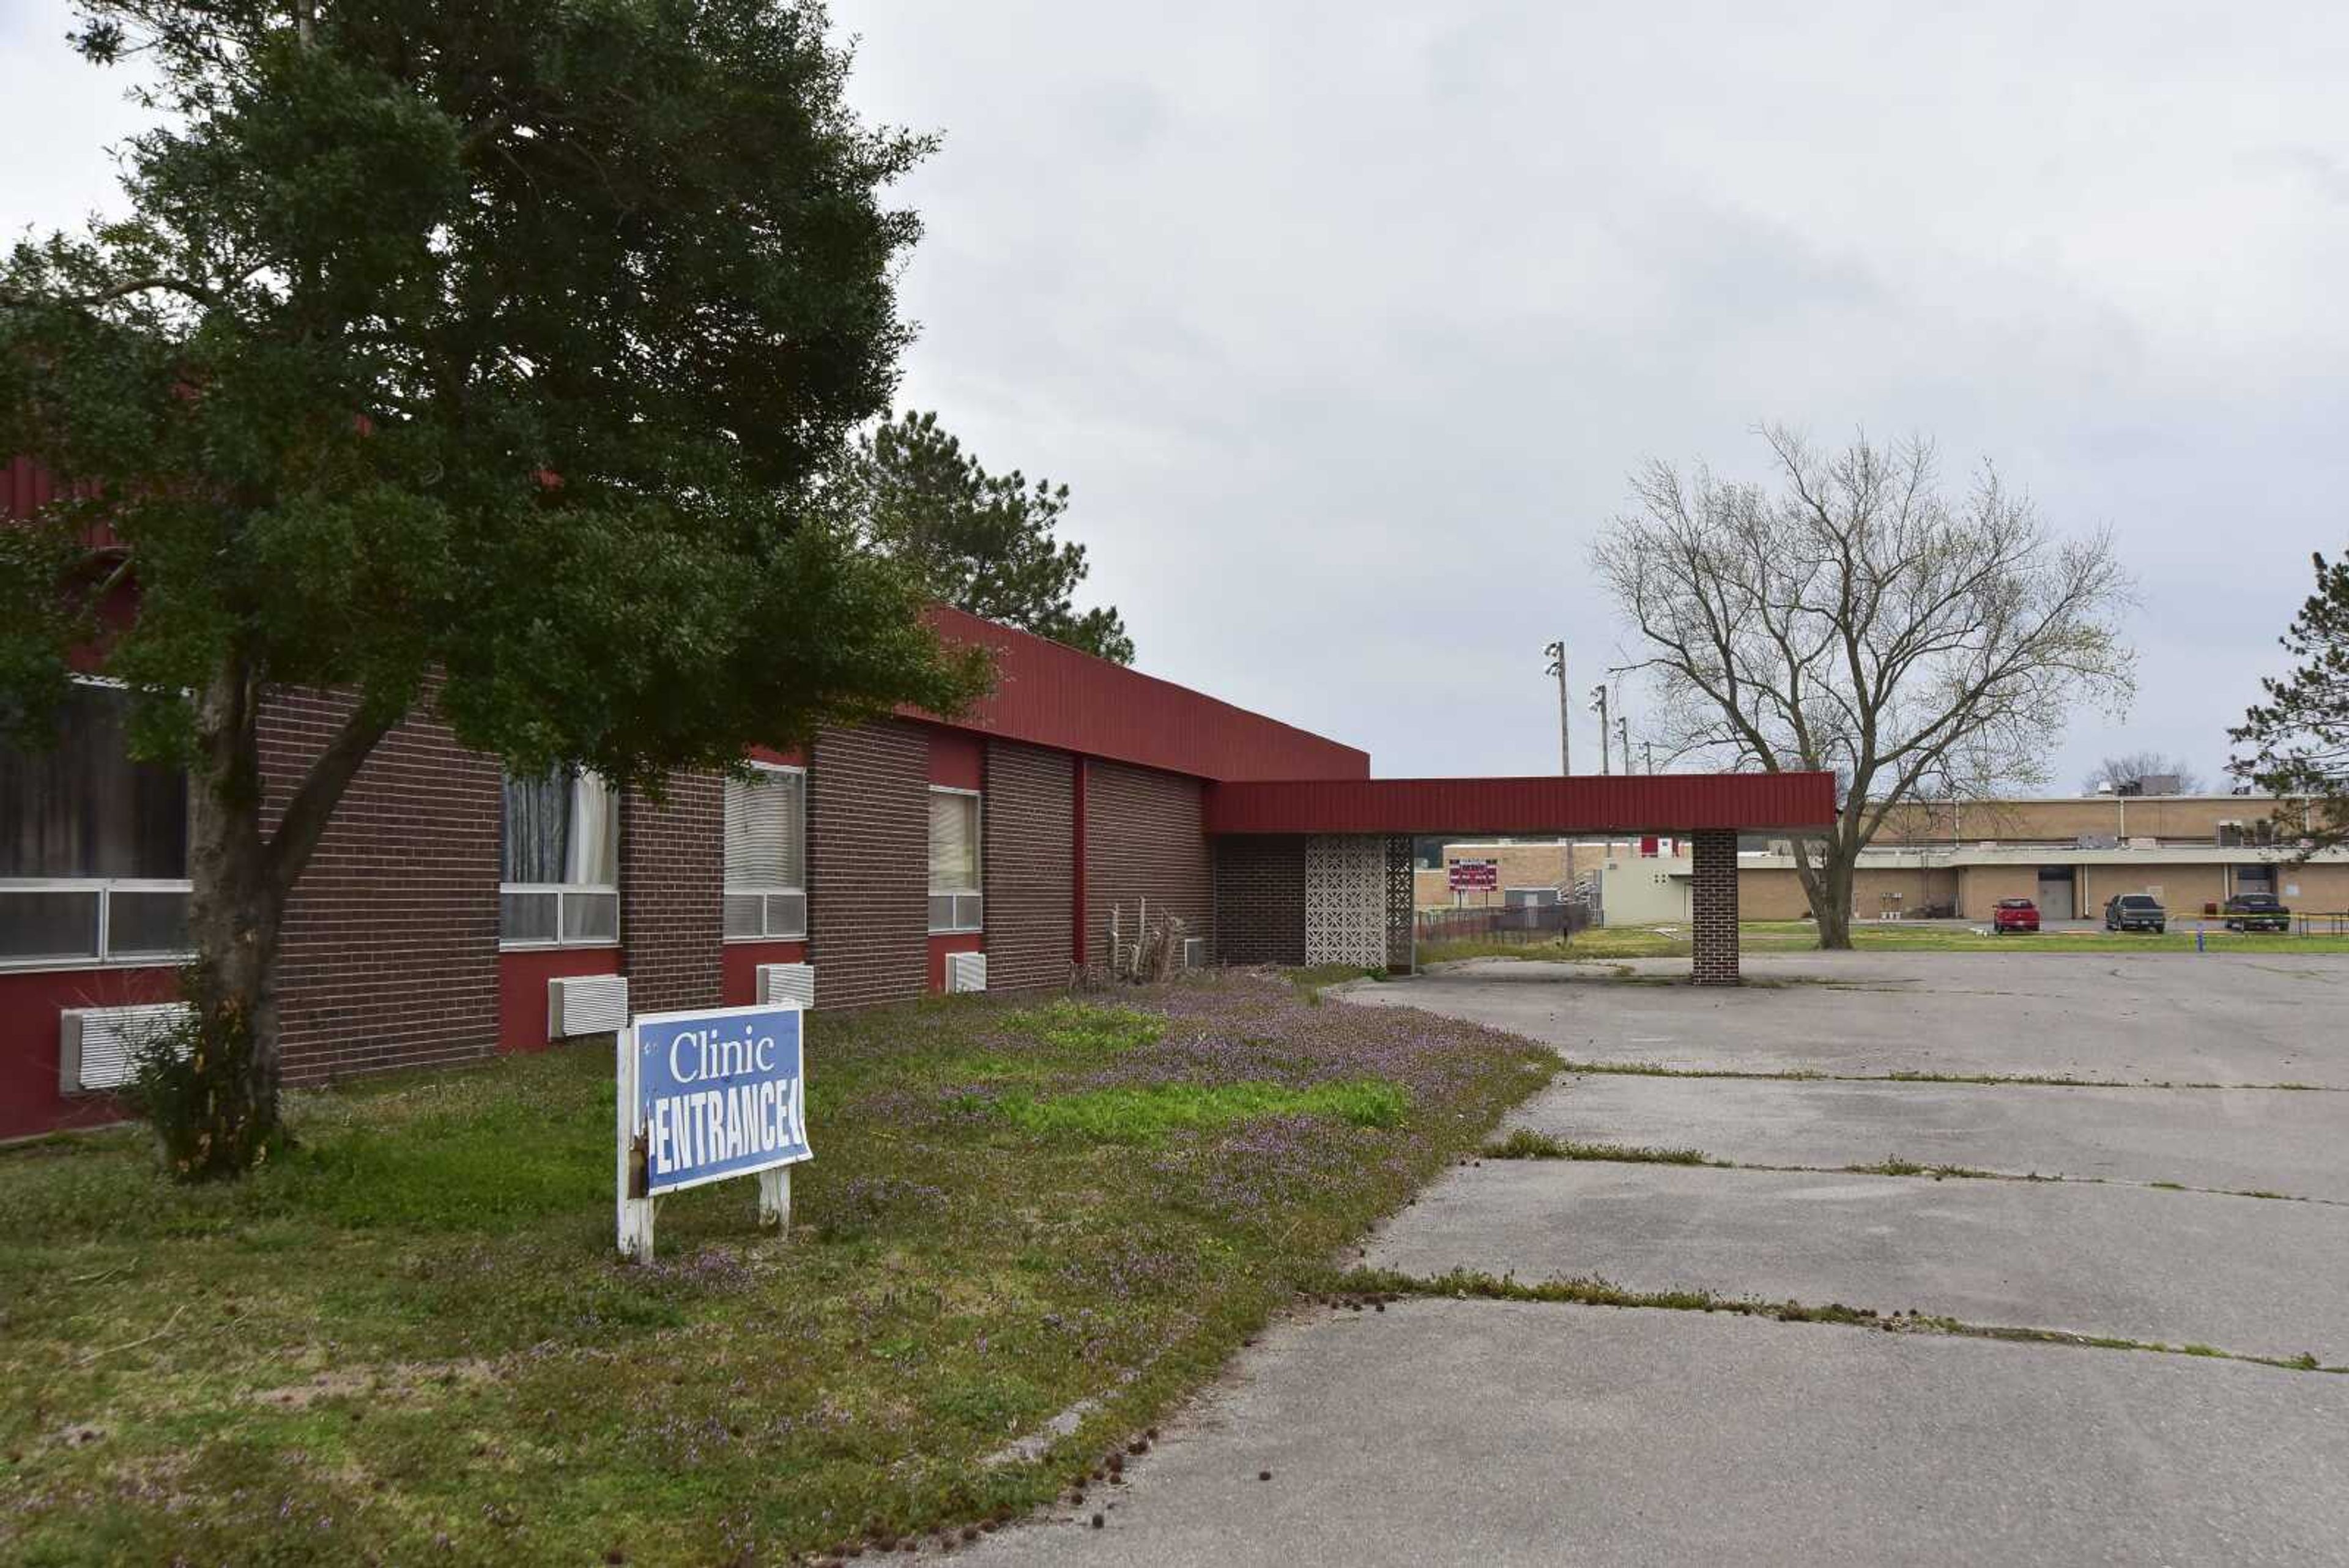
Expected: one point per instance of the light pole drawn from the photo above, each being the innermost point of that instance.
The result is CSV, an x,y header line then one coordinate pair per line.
x,y
1616,673
1557,652
1599,693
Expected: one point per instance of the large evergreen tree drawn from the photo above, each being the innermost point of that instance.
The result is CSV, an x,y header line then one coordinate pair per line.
x,y
468,355
981,542
2299,737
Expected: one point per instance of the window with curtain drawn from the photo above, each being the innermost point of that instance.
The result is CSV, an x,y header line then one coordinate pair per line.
x,y
766,855
93,846
955,901
560,877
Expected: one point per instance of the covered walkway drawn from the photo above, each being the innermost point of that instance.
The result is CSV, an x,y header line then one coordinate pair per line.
x,y
1320,870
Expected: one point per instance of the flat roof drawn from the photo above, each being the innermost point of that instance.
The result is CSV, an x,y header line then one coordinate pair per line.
x,y
1584,803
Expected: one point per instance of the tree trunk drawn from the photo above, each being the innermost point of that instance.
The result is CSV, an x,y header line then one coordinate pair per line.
x,y
1826,886
227,1117
1833,906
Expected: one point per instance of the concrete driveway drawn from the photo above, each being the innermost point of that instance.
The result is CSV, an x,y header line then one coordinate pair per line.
x,y
2185,1187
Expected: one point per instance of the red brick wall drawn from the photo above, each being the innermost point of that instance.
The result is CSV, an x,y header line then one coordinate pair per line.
x,y
869,864
1030,866
672,892
390,954
1143,840
1713,907
1260,900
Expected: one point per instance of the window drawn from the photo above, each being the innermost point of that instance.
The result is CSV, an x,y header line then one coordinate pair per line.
x,y
93,846
955,901
560,883
766,855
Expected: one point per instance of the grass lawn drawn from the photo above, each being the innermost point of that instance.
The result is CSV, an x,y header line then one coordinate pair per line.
x,y
410,1341
1794,936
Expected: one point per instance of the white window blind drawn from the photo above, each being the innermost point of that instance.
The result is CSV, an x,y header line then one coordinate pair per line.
x,y
955,901
766,855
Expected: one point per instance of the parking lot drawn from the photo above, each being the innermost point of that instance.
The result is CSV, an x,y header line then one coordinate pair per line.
x,y
2113,1191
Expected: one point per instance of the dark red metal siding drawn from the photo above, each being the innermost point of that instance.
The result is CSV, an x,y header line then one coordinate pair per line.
x,y
25,488
1661,803
1048,695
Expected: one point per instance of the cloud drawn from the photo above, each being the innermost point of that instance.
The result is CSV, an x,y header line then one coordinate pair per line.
x,y
1346,322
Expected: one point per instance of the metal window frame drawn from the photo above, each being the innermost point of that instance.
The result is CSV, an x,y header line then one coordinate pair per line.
x,y
105,888
764,890
105,957
560,889
767,933
978,836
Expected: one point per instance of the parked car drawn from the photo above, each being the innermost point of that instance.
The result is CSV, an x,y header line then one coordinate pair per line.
x,y
2013,915
2135,913
2256,912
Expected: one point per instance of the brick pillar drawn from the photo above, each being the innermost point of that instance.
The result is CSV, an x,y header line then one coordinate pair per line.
x,y
673,895
1713,912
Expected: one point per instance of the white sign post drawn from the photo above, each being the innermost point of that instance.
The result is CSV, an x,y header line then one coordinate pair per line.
x,y
704,1097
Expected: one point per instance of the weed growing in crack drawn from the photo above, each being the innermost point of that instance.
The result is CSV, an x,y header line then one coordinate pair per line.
x,y
1526,1143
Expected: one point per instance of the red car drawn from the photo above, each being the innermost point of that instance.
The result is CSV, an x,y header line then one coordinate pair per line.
x,y
2014,915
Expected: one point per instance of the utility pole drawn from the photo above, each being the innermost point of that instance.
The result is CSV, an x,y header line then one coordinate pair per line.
x,y
1623,731
1599,693
1557,652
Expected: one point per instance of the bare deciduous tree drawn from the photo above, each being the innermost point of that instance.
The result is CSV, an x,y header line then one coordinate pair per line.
x,y
1858,622
2132,767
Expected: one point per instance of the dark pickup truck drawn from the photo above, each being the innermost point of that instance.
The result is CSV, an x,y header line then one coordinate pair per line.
x,y
2256,912
2135,913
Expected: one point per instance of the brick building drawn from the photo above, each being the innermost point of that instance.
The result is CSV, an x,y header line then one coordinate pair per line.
x,y
2069,855
452,911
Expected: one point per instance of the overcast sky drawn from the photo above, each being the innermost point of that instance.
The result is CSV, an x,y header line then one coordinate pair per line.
x,y
1346,322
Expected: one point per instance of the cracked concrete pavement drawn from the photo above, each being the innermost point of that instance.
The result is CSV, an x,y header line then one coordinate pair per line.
x,y
1490,1431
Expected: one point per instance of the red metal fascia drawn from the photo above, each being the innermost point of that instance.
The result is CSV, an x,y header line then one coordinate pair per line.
x,y
1648,803
1045,694
1049,695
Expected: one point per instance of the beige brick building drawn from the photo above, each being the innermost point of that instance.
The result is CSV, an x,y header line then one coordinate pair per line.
x,y
1958,859
2069,855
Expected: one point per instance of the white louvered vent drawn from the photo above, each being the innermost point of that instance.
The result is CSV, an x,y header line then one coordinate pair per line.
x,y
966,972
586,1004
787,982
96,1045
1194,953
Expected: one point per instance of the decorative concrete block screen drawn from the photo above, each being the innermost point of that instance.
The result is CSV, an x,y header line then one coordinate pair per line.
x,y
1346,900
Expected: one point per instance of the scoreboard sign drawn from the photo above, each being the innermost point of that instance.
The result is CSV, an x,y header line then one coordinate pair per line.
x,y
1475,875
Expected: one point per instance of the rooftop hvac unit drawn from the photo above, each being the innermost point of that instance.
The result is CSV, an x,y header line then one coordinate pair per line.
x,y
586,1004
97,1046
966,972
1194,953
787,982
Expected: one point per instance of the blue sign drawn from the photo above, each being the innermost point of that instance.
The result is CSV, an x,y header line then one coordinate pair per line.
x,y
719,1094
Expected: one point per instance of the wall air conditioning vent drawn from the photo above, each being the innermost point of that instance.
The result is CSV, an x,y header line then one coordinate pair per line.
x,y
1194,953
586,1004
966,972
787,982
98,1046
